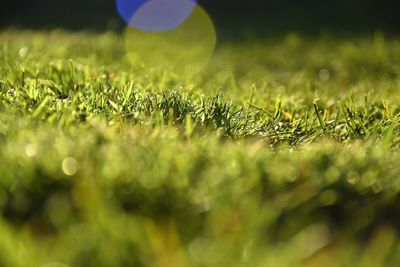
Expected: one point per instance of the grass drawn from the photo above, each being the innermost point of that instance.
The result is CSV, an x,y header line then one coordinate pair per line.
x,y
283,152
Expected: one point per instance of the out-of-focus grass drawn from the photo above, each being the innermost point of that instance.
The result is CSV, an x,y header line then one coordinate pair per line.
x,y
283,152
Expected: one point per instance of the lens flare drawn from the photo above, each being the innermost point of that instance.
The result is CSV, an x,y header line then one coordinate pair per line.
x,y
183,50
155,15
127,8
162,15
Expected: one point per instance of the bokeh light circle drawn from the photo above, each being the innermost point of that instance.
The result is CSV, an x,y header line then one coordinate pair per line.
x,y
162,15
155,15
184,50
127,8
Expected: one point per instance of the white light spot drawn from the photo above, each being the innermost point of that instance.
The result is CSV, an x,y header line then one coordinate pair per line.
x,y
69,166
324,75
30,150
23,52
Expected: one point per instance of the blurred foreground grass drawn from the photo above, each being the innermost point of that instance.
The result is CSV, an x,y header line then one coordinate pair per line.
x,y
283,152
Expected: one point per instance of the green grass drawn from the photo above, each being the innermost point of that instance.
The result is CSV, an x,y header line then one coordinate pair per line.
x,y
283,152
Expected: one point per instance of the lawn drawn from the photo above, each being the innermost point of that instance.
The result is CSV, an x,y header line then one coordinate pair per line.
x,y
283,151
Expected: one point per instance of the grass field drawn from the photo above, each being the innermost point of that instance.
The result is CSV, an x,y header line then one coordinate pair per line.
x,y
283,152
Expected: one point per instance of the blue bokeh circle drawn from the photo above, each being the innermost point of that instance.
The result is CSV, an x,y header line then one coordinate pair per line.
x,y
127,8
155,15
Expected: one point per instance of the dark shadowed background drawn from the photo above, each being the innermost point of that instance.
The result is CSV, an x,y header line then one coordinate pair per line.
x,y
242,17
